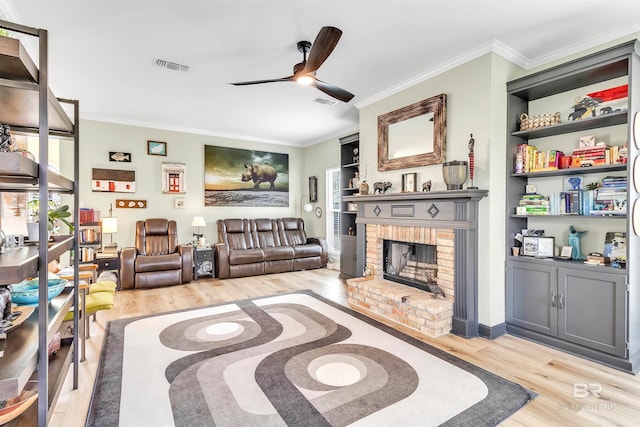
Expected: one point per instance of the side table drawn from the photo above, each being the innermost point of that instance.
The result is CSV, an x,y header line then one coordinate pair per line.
x,y
203,263
109,262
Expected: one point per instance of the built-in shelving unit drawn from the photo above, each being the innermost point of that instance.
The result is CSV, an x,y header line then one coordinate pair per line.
x,y
349,169
29,107
589,310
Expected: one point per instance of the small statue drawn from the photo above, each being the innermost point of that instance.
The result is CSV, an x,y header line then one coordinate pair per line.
x,y
426,186
381,187
574,242
472,161
6,140
433,287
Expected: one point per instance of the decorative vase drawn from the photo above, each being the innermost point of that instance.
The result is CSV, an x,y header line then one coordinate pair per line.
x,y
454,174
364,188
33,230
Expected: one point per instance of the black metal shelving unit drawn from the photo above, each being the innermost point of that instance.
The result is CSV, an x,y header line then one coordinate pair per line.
x,y
29,106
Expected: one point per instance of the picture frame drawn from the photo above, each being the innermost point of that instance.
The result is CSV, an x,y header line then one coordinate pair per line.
x,y
173,178
156,148
565,252
540,247
587,141
179,203
409,181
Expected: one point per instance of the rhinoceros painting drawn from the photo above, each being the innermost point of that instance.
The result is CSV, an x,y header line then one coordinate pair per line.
x,y
259,174
238,177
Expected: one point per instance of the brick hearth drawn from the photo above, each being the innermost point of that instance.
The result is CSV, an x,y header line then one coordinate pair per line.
x,y
402,304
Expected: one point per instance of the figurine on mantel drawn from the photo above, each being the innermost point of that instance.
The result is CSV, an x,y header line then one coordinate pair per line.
x,y
426,186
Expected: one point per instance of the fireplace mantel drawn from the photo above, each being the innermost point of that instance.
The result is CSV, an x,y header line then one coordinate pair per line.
x,y
452,209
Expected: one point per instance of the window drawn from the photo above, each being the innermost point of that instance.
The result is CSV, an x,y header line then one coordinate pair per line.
x,y
333,212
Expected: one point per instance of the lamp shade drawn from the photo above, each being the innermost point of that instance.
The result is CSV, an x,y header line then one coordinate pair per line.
x,y
110,225
198,221
308,207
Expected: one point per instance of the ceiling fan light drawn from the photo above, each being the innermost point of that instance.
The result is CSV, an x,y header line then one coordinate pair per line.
x,y
305,79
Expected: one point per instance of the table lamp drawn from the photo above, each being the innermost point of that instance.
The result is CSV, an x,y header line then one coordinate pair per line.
x,y
109,226
198,221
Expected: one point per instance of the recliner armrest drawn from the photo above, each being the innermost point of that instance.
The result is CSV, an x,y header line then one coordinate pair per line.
x,y
186,254
325,248
222,260
127,267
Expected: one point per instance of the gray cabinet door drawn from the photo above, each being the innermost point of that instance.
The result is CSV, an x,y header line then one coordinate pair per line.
x,y
531,296
348,256
592,310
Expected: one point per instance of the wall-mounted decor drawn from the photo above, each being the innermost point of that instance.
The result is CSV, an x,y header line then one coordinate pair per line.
x,y
313,189
414,135
113,180
131,204
156,148
119,156
237,177
179,203
173,178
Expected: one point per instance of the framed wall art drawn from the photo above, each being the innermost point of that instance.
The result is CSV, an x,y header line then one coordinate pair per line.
x,y
173,178
156,148
113,180
238,177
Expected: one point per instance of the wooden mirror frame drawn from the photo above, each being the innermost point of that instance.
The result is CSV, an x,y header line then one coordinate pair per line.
x,y
436,104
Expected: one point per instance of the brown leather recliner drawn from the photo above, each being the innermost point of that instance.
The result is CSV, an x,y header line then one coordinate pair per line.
x,y
157,259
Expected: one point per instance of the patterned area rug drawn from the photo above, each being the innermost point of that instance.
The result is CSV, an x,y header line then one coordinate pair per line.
x,y
294,359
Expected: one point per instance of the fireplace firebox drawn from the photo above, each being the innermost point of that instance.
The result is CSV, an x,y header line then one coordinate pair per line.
x,y
412,264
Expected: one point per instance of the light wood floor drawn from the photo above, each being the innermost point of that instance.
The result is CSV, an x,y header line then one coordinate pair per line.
x,y
550,373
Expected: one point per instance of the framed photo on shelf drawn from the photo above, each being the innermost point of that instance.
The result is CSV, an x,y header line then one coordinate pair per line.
x,y
566,251
409,182
541,247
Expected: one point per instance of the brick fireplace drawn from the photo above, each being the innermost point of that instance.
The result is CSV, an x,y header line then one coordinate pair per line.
x,y
446,219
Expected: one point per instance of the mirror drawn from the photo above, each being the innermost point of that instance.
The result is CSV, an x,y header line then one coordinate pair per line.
x,y
413,136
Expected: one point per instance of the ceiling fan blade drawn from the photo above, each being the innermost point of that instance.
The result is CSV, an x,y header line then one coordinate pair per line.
x,y
257,82
334,91
325,42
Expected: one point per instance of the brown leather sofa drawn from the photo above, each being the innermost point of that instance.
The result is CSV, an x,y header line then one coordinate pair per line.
x,y
249,247
157,259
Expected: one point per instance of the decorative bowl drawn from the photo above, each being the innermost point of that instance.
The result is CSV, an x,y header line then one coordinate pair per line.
x,y
26,292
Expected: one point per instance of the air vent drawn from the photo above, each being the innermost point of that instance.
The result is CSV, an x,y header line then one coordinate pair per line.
x,y
163,63
325,101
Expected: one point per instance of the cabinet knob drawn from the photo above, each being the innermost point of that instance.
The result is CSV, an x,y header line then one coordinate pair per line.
x,y
553,299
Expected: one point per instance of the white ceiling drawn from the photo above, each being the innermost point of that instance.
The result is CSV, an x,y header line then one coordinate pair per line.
x,y
102,52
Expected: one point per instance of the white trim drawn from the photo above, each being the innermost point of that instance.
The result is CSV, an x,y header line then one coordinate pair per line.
x,y
585,44
161,126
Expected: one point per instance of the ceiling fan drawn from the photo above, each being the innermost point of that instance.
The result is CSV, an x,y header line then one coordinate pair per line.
x,y
305,71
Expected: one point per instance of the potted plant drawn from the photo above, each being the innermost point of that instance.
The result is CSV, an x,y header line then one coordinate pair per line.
x,y
55,213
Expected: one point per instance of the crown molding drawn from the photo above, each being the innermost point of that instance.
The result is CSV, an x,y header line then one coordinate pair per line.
x,y
494,46
159,126
586,44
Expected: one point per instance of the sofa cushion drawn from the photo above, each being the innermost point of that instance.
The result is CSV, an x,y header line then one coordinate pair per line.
x,y
292,231
265,233
157,263
276,253
245,256
235,233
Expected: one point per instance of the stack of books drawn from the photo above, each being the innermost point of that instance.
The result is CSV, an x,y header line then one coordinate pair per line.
x,y
611,196
598,155
533,204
